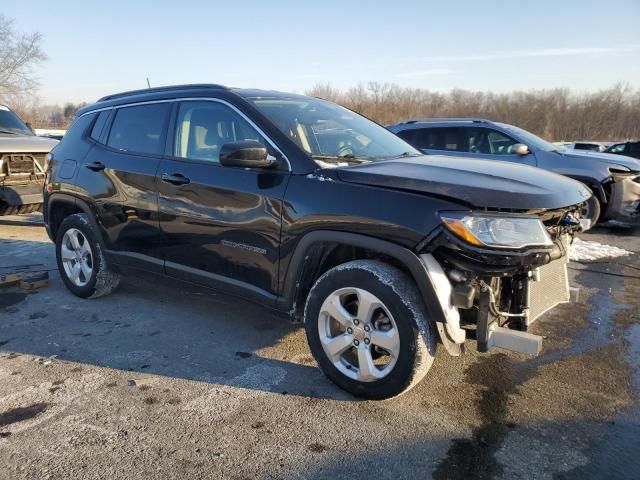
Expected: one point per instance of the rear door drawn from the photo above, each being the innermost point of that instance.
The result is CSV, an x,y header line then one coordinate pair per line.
x,y
120,174
438,140
220,225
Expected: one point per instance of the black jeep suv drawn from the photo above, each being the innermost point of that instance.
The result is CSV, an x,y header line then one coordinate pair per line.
x,y
317,212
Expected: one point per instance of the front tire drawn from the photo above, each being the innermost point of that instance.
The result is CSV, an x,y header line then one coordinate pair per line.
x,y
367,329
81,261
591,210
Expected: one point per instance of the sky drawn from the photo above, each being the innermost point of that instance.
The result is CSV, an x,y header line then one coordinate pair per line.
x,y
98,48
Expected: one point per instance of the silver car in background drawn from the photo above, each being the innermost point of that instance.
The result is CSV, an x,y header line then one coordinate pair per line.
x,y
613,179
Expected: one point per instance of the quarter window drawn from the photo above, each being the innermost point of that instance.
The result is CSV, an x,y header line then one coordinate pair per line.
x,y
202,128
98,126
139,129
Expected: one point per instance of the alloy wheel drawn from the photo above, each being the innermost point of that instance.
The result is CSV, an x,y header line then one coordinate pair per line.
x,y
77,257
358,334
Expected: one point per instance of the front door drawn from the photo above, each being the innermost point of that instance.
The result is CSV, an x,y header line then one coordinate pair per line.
x,y
220,225
490,144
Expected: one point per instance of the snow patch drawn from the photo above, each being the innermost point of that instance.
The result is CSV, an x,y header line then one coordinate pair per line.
x,y
586,251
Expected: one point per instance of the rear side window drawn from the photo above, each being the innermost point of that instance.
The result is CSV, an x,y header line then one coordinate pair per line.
x,y
99,125
439,139
139,129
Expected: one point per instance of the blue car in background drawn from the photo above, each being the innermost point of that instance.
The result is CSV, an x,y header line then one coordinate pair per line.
x,y
614,179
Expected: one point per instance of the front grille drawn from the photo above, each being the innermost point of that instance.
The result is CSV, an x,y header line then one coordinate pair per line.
x,y
553,286
22,163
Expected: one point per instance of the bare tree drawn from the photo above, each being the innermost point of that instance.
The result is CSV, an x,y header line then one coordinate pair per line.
x,y
557,115
19,54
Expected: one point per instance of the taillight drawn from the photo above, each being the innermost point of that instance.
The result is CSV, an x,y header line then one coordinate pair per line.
x,y
47,161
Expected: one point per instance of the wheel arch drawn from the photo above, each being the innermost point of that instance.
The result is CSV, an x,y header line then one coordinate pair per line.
x,y
320,250
60,205
597,187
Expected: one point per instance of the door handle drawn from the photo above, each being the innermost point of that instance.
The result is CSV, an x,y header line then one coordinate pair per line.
x,y
175,179
95,166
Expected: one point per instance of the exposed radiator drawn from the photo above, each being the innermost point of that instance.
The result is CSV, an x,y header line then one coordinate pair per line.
x,y
552,288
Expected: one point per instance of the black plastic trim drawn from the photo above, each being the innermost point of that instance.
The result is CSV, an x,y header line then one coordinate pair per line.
x,y
406,257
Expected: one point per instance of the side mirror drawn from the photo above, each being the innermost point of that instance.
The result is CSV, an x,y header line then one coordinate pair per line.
x,y
246,154
520,149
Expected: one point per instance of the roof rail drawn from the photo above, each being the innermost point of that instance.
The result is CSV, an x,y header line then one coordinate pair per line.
x,y
194,86
448,119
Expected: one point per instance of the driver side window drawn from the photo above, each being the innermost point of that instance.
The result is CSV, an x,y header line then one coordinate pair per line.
x,y
203,127
487,141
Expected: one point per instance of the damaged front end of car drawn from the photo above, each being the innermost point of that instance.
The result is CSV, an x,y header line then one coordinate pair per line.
x,y
496,272
623,204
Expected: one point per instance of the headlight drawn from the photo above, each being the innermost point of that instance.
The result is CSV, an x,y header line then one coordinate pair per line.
x,y
496,230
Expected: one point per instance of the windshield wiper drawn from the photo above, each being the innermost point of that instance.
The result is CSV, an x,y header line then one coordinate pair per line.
x,y
405,155
2,130
341,159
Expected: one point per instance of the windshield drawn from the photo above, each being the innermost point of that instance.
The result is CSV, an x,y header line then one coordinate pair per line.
x,y
330,133
531,140
10,123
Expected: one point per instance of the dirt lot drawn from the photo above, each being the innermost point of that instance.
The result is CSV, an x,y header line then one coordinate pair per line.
x,y
159,381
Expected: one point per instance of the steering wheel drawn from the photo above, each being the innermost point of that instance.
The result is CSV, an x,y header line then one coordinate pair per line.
x,y
345,151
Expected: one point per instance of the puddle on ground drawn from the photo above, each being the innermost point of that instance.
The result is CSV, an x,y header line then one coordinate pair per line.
x,y
22,413
500,377
475,457
633,354
8,299
596,334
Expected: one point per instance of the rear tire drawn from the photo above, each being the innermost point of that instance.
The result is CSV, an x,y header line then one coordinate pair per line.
x,y
366,327
81,261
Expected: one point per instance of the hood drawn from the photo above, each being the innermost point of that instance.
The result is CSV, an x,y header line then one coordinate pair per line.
x,y
613,159
479,183
26,144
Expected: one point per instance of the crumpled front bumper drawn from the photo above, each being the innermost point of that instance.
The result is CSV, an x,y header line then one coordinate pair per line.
x,y
624,201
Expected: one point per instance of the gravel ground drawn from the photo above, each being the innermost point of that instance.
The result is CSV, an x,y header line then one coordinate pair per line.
x,y
161,381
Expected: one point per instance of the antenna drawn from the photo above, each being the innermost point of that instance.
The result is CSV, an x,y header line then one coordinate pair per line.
x,y
148,83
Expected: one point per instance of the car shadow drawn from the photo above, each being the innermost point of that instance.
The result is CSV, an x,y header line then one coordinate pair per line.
x,y
154,325
24,220
15,223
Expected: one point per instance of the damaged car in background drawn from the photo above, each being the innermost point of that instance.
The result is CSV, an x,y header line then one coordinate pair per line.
x,y
613,179
316,212
22,165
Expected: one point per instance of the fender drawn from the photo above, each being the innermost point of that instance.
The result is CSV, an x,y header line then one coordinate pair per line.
x,y
594,185
302,256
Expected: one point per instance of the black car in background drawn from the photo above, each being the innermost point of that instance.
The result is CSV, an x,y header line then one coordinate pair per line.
x,y
629,149
315,212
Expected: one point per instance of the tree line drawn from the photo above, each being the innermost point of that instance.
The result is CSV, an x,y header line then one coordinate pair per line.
x,y
556,115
